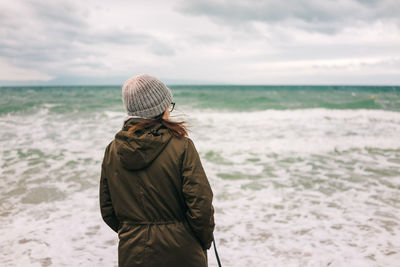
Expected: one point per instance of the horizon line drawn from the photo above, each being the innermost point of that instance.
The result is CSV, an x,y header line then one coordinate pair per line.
x,y
198,84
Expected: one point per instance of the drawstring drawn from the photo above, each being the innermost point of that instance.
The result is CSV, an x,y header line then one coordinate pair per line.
x,y
216,254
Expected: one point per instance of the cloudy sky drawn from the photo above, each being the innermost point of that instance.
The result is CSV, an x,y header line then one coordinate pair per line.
x,y
211,41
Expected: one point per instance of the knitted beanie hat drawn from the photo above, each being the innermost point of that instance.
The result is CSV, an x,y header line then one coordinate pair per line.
x,y
145,96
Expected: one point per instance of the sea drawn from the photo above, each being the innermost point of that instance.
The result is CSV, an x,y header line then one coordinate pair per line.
x,y
301,175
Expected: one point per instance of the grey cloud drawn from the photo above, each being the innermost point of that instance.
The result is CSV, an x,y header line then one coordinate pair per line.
x,y
95,65
47,32
206,38
294,52
59,13
313,15
161,49
393,63
368,2
113,37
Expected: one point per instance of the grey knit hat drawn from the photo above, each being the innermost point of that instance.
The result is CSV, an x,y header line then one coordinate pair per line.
x,y
145,96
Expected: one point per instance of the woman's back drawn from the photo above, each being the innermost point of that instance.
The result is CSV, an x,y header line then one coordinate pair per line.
x,y
155,194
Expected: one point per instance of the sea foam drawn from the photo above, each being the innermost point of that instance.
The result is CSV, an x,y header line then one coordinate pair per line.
x,y
306,187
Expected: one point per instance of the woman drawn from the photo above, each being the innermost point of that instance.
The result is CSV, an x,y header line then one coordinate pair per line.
x,y
153,189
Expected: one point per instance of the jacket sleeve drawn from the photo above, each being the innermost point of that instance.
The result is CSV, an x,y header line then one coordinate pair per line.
x,y
106,208
198,196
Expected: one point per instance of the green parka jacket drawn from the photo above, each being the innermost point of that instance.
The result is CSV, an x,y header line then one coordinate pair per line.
x,y
155,195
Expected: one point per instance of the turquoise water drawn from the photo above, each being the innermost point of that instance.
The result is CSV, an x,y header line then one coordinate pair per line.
x,y
302,175
233,98
248,98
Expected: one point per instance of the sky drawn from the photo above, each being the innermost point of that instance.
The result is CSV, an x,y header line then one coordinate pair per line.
x,y
200,42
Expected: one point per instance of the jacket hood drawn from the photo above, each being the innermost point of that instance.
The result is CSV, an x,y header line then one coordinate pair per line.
x,y
137,150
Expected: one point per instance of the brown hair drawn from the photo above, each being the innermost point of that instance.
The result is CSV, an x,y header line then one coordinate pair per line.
x,y
176,128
